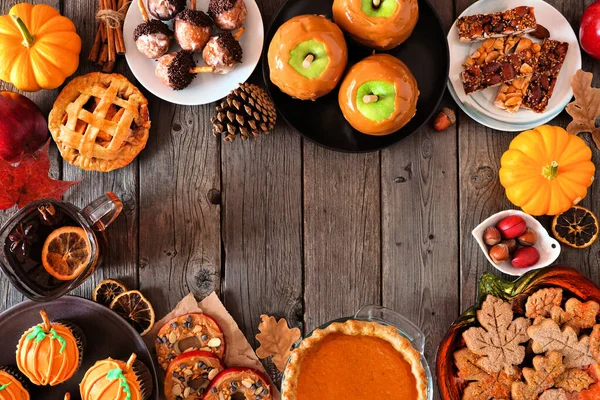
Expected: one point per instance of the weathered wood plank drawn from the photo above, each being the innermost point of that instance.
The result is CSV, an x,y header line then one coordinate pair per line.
x,y
342,248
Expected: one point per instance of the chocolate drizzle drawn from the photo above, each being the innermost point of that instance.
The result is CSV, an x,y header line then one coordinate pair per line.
x,y
198,18
228,43
216,7
151,27
179,71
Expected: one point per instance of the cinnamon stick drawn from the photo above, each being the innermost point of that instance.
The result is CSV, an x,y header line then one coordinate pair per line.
x,y
95,51
110,34
103,54
122,7
108,67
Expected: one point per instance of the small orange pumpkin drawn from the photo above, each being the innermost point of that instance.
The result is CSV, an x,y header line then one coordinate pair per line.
x,y
39,48
116,380
10,387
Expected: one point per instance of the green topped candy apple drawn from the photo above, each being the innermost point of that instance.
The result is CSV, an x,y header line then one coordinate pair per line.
x,y
309,59
379,8
376,99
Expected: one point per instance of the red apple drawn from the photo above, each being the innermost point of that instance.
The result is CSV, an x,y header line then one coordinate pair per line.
x,y
589,30
23,128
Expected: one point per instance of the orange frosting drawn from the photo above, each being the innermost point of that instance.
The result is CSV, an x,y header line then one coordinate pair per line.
x,y
378,32
96,384
355,368
42,361
14,389
381,67
295,31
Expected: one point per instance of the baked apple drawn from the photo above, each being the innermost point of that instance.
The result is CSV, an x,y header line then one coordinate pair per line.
x,y
307,57
381,24
379,95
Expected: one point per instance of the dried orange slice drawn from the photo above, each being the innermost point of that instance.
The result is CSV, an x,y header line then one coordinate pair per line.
x,y
135,309
66,253
577,227
107,290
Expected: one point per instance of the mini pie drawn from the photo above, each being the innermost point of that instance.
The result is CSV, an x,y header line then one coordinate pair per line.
x,y
355,360
100,122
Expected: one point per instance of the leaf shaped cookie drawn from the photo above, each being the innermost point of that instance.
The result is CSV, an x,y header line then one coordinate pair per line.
x,y
586,107
545,371
554,394
541,302
547,336
574,380
595,342
500,338
276,340
577,315
482,386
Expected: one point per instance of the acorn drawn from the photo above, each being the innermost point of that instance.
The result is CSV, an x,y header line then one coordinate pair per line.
x,y
499,253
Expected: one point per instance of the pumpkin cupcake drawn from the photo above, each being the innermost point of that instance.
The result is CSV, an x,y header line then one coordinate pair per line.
x,y
117,380
50,353
12,384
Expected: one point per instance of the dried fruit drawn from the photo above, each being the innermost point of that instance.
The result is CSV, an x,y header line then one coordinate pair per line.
x,y
547,336
577,227
107,290
483,385
512,227
499,253
444,119
66,253
542,377
586,107
576,314
499,338
540,303
135,309
491,236
525,257
574,380
529,238
276,339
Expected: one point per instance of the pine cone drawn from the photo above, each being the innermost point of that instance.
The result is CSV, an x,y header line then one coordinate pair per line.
x,y
246,111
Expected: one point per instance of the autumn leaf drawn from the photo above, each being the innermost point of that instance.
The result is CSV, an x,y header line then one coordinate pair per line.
x,y
545,371
547,336
595,342
586,107
574,380
554,394
28,181
577,315
482,385
499,338
276,340
541,302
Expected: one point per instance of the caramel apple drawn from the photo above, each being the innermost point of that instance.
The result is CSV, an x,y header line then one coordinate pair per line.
x,y
379,95
307,57
381,24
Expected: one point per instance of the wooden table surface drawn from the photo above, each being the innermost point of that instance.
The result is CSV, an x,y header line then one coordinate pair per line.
x,y
281,226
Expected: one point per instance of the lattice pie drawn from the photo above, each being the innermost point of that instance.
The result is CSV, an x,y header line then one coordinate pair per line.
x,y
100,122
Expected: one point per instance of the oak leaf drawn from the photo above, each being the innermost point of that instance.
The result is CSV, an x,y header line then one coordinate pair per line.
x,y
28,181
595,342
545,371
574,380
586,107
276,340
577,315
541,302
482,385
554,394
547,336
499,338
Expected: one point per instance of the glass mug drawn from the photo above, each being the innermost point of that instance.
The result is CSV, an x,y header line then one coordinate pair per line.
x,y
22,239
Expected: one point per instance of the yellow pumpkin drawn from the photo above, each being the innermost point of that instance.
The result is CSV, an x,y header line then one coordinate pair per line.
x,y
39,48
546,170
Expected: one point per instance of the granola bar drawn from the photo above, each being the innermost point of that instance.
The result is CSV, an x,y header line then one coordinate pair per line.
x,y
503,69
490,50
510,22
550,61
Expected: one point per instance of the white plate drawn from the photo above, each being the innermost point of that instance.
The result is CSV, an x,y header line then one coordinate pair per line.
x,y
480,105
205,88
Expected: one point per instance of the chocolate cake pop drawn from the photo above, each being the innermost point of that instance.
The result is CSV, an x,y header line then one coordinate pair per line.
x,y
192,28
178,70
228,14
223,52
165,9
152,37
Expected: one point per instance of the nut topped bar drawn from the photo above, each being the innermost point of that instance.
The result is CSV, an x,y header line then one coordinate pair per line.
x,y
510,22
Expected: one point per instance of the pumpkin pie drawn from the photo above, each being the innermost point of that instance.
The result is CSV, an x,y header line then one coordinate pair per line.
x,y
100,122
12,385
355,360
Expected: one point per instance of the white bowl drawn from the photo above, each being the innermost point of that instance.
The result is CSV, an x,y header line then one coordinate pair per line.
x,y
548,247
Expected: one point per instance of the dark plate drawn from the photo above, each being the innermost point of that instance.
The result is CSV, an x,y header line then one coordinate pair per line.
x,y
425,53
107,335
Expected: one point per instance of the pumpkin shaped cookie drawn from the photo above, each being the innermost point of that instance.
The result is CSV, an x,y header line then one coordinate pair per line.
x,y
12,385
190,374
117,380
50,353
189,332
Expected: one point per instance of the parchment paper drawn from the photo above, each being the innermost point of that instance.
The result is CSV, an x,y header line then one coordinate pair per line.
x,y
238,352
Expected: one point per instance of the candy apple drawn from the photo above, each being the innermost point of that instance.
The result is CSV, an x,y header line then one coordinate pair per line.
x,y
589,30
23,127
309,59
379,8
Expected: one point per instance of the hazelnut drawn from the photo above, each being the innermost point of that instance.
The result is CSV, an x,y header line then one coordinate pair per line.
x,y
491,236
529,238
511,243
499,253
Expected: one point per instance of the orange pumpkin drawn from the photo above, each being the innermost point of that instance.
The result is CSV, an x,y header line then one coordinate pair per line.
x,y
116,380
48,353
10,387
546,171
39,48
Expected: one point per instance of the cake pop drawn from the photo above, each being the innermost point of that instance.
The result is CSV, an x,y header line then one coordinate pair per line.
x,y
152,37
192,28
165,9
228,14
178,70
223,51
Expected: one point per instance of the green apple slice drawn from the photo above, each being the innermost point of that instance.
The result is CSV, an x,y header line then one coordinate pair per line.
x,y
309,59
379,8
376,100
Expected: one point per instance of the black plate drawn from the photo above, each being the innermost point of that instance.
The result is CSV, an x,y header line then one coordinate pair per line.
x,y
107,335
425,53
